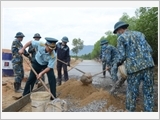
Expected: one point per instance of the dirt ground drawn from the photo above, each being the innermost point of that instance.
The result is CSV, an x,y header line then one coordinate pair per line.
x,y
7,84
80,95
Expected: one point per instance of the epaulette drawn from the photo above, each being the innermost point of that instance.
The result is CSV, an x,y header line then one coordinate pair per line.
x,y
52,55
42,44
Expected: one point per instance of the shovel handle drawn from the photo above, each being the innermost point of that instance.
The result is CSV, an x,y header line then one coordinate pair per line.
x,y
36,75
99,73
71,66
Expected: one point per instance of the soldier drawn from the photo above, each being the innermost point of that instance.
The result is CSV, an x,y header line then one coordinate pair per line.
x,y
44,62
17,61
32,51
135,50
63,54
103,42
110,58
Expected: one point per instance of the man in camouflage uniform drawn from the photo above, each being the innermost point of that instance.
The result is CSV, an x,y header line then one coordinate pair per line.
x,y
110,58
63,54
103,42
44,62
135,50
17,61
32,51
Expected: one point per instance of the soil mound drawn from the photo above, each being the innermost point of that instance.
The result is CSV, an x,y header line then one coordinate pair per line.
x,y
88,94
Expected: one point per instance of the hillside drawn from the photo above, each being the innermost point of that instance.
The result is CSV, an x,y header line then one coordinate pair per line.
x,y
86,50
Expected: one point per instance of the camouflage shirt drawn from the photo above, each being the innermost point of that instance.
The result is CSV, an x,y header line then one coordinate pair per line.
x,y
16,57
135,50
109,54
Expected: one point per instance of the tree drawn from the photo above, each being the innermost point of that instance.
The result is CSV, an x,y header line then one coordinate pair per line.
x,y
112,38
130,20
78,45
147,23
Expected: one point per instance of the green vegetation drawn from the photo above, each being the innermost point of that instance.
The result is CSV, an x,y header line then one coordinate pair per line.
x,y
78,45
145,21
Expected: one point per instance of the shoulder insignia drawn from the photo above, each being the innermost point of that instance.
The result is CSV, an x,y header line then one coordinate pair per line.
x,y
41,44
52,55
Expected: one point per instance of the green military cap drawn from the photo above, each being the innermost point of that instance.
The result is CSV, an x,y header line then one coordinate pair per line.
x,y
118,25
19,34
37,35
65,39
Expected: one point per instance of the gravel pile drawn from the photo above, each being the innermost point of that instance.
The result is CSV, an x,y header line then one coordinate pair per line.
x,y
95,106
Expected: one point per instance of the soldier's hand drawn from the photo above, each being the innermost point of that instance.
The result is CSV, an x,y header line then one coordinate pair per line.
x,y
21,51
107,68
39,75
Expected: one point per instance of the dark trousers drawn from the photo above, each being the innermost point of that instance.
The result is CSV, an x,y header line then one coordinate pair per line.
x,y
32,79
59,70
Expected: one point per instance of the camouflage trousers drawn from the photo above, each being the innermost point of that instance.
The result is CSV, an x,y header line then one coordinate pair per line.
x,y
113,72
18,72
104,67
133,81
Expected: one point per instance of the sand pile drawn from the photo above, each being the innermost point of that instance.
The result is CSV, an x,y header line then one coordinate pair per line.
x,y
75,89
87,94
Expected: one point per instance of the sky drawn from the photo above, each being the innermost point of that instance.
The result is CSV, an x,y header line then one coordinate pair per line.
x,y
87,23
85,20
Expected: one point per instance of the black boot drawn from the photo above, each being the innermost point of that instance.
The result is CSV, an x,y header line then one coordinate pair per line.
x,y
59,82
17,87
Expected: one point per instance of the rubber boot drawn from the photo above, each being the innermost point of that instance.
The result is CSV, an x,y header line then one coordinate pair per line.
x,y
17,87
59,81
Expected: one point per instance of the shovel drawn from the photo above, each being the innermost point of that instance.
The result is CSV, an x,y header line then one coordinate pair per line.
x,y
36,75
71,66
87,78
